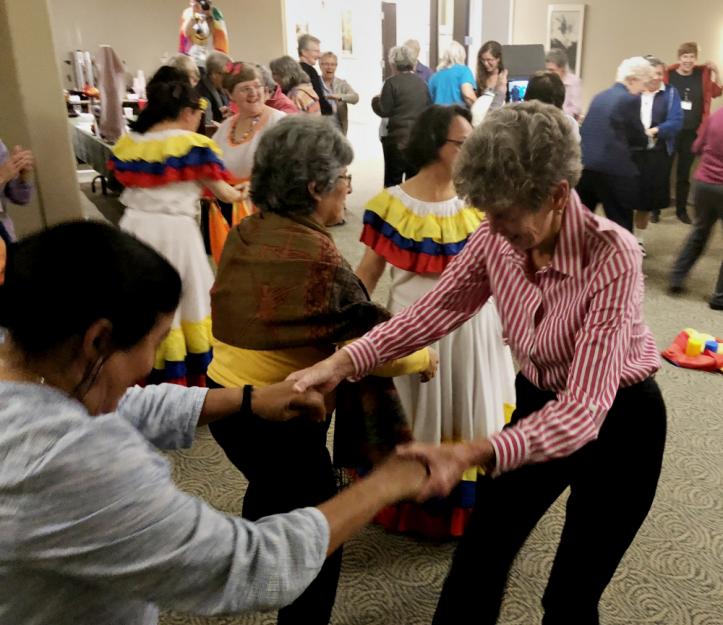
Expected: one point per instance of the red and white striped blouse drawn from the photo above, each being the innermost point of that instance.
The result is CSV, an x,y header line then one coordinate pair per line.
x,y
575,327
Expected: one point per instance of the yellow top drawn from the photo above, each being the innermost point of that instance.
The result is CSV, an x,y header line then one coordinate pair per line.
x,y
233,367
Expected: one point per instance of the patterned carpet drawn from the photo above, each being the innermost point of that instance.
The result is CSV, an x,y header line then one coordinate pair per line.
x,y
672,574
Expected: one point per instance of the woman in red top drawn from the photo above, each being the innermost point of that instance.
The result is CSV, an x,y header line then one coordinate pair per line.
x,y
569,288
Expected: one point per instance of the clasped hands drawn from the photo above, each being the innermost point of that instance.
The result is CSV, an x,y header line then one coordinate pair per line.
x,y
19,164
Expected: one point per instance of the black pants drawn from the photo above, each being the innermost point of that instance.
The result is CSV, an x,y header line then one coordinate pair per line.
x,y
612,481
708,211
288,466
684,151
396,166
619,195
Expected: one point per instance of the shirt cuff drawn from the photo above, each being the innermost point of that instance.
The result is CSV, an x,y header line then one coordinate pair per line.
x,y
510,447
196,398
323,534
364,357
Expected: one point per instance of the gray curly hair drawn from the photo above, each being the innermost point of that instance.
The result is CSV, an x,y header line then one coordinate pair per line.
x,y
298,150
516,157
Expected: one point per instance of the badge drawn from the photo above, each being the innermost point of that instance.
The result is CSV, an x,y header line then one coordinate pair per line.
x,y
686,105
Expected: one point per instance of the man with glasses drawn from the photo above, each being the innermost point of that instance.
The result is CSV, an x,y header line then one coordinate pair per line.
x,y
309,52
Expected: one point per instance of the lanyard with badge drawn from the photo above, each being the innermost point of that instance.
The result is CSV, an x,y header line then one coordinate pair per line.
x,y
685,103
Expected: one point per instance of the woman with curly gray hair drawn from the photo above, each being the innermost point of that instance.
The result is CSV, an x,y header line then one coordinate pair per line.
x,y
283,298
569,288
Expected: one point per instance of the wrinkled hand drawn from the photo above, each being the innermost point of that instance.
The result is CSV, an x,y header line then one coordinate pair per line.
x,y
324,375
280,402
402,478
23,160
8,171
446,464
431,369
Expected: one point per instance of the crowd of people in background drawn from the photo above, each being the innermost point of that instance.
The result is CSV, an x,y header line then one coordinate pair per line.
x,y
487,208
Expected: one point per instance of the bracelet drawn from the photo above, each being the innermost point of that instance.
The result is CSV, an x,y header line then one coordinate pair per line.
x,y
246,410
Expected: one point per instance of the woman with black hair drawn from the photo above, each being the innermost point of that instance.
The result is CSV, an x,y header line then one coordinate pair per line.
x,y
92,526
164,166
418,228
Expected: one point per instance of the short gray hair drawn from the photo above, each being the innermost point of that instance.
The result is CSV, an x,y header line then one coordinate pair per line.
x,y
186,64
557,57
304,41
455,54
297,151
414,47
267,78
289,73
217,62
402,58
516,157
634,67
654,61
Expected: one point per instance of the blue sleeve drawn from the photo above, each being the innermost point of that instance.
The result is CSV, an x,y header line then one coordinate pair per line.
x,y
467,76
432,86
674,118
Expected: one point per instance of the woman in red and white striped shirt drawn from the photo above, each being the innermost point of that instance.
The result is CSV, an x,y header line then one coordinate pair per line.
x,y
569,289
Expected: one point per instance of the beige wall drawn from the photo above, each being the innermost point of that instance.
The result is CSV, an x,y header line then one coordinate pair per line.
x,y
615,29
32,113
141,31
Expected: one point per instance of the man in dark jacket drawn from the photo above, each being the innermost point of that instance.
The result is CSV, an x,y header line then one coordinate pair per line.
x,y
211,88
612,128
309,52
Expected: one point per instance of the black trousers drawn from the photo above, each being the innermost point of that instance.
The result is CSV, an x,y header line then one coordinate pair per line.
x,y
612,481
396,166
619,195
287,466
685,157
708,211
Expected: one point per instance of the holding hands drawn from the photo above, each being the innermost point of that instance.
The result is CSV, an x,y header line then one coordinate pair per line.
x,y
446,463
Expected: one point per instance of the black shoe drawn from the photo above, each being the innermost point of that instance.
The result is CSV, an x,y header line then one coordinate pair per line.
x,y
715,305
655,217
683,216
676,289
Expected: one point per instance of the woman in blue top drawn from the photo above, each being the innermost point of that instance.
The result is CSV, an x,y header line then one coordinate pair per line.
x,y
454,82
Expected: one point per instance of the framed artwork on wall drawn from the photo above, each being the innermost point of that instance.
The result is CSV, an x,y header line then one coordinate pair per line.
x,y
347,33
565,25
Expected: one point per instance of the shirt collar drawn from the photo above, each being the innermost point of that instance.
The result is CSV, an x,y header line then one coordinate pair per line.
x,y
567,258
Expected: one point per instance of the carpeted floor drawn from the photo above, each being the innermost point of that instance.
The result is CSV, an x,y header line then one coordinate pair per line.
x,y
673,572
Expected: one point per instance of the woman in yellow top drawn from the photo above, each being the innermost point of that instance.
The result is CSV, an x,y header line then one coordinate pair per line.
x,y
284,297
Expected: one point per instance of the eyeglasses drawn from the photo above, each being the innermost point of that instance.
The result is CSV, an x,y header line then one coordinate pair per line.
x,y
250,90
346,177
457,142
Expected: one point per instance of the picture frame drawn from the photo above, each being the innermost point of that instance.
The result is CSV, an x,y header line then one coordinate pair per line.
x,y
347,33
565,29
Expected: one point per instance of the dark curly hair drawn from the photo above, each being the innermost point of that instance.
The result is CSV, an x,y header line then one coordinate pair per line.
x,y
169,92
429,133
62,280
